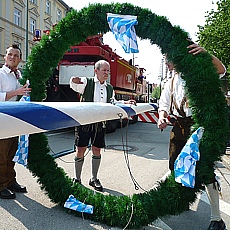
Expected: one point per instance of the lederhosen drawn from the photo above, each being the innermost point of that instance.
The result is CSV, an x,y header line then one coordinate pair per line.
x,y
180,131
95,131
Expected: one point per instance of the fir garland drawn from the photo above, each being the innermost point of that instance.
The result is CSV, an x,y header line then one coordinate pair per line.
x,y
205,96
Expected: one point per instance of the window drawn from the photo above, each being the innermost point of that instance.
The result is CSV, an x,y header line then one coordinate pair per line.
x,y
48,7
19,44
32,25
59,15
34,2
17,17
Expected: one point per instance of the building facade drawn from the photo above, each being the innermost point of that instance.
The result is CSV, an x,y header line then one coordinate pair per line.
x,y
21,19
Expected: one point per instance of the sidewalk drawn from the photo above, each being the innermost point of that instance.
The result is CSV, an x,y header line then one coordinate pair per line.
x,y
148,158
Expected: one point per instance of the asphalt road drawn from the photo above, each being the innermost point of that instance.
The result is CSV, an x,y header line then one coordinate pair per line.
x,y
148,159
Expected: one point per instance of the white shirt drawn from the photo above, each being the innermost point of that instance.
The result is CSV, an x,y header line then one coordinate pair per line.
x,y
8,82
177,89
100,92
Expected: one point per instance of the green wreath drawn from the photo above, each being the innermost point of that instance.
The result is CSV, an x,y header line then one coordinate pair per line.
x,y
205,96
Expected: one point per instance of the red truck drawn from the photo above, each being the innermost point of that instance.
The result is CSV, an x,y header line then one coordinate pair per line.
x,y
128,80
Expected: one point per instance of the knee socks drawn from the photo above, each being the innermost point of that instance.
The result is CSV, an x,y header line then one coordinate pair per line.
x,y
78,167
213,196
96,160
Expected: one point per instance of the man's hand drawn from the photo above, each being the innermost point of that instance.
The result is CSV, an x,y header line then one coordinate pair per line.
x,y
24,90
162,123
77,80
195,49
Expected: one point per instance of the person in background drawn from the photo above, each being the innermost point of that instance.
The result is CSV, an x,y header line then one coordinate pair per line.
x,y
173,101
10,88
94,89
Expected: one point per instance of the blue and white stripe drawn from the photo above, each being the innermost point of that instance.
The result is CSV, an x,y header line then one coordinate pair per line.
x,y
123,29
21,155
76,205
19,118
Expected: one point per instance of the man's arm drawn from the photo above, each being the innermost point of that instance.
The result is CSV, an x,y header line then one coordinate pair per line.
x,y
218,64
196,49
78,84
133,102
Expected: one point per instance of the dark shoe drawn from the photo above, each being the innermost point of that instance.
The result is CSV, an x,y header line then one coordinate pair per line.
x,y
76,181
7,194
17,188
217,225
96,184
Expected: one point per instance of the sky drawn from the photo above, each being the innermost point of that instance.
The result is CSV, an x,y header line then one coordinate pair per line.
x,y
183,13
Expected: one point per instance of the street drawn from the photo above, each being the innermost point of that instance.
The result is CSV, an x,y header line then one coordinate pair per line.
x,y
146,152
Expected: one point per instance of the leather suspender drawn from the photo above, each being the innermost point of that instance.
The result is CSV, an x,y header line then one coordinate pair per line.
x,y
180,111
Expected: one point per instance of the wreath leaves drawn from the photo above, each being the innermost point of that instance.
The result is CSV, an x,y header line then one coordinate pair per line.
x,y
205,96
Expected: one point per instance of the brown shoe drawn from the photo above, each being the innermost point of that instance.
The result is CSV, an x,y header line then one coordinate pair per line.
x,y
7,194
17,188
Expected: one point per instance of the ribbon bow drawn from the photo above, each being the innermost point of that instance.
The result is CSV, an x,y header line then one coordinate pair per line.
x,y
15,71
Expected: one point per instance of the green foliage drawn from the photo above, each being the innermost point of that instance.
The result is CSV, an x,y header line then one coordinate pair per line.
x,y
215,34
156,92
205,96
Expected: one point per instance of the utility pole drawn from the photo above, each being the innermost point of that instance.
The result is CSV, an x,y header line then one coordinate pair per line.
x,y
161,74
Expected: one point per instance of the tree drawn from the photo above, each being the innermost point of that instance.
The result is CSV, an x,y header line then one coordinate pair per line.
x,y
156,93
215,34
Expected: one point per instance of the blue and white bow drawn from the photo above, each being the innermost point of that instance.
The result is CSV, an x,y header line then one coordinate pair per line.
x,y
185,164
123,29
76,205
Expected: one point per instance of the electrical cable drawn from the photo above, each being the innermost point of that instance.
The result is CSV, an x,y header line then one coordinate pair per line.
x,y
126,156
89,147
125,151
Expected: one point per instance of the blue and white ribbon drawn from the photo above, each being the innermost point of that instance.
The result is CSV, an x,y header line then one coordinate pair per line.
x,y
185,164
76,205
123,29
21,155
22,152
19,118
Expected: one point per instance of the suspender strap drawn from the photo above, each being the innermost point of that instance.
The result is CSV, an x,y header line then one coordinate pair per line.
x,y
89,90
171,96
109,89
180,110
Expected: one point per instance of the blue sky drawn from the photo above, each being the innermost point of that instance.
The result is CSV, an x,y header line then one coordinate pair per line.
x,y
186,14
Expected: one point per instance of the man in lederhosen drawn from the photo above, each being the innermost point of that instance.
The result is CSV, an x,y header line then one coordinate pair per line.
x,y
173,101
94,89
